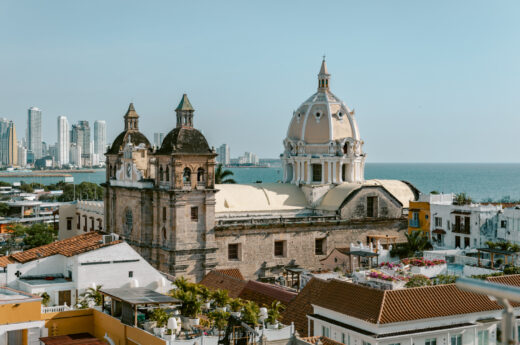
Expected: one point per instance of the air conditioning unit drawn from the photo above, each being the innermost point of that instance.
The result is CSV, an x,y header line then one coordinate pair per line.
x,y
109,238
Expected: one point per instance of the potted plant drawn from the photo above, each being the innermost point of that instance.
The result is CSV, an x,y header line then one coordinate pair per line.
x,y
160,316
205,296
94,295
236,304
250,313
220,299
191,307
45,299
219,318
273,314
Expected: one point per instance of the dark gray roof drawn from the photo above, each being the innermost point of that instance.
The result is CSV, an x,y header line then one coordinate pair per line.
x,y
184,140
136,138
139,296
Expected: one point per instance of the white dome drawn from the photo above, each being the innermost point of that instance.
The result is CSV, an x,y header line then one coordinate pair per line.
x,y
323,118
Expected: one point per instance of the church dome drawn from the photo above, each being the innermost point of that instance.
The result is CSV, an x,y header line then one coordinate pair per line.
x,y
184,138
131,133
323,118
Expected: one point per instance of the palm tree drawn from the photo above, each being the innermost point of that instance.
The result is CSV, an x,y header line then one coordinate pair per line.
x,y
93,294
417,241
220,175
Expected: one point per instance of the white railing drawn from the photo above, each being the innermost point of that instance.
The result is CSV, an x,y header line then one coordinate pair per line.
x,y
55,309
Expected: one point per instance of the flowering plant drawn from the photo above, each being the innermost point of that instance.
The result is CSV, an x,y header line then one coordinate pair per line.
x,y
422,262
390,265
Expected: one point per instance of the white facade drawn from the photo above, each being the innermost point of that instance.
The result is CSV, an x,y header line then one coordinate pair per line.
x,y
113,266
158,139
80,217
34,132
508,225
63,141
462,226
22,155
100,140
75,155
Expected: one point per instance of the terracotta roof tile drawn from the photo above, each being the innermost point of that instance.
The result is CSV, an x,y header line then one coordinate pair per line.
x,y
232,272
6,260
298,309
513,280
321,340
216,280
265,294
68,247
377,306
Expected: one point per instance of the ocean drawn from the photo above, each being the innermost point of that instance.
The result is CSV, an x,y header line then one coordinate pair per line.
x,y
481,181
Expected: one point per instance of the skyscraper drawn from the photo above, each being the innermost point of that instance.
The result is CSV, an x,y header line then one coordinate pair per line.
x,y
22,155
4,142
12,145
224,157
100,139
75,155
158,139
63,141
34,132
81,137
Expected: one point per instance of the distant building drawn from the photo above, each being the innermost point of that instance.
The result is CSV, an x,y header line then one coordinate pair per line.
x,y
12,145
100,141
224,157
4,141
45,149
81,137
158,139
53,152
22,155
75,155
248,158
34,132
63,141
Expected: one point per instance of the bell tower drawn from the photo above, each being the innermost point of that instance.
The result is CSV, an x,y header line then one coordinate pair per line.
x,y
184,113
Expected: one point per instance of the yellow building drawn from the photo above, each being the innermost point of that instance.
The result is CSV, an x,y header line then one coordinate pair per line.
x,y
419,216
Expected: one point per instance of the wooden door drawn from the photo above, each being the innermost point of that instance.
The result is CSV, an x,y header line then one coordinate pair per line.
x,y
64,297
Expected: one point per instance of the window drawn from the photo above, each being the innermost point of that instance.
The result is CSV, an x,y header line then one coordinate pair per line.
x,y
426,216
164,214
395,344
130,274
483,337
69,223
438,221
92,224
466,242
503,223
431,341
316,172
456,339
343,338
200,176
167,175
128,221
319,245
161,172
195,213
186,177
78,225
457,242
371,206
234,251
324,331
279,248
164,232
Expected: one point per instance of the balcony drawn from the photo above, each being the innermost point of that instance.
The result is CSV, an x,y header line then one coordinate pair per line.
x,y
460,228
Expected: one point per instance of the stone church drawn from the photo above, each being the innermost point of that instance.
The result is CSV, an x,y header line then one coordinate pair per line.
x,y
165,203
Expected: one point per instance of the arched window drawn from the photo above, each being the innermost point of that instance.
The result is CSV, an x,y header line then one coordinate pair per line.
x,y
164,232
161,172
186,176
201,176
164,214
128,221
167,173
345,148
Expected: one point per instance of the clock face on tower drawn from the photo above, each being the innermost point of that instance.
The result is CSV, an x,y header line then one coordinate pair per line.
x,y
128,170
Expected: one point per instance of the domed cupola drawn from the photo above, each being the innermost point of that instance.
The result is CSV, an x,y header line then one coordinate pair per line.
x,y
323,145
130,134
184,138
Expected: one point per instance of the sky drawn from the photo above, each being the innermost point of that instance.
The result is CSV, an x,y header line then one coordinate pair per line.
x,y
430,81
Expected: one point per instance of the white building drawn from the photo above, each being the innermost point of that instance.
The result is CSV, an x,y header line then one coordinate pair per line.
x,y
224,156
34,132
442,314
508,225
80,217
66,268
75,155
100,140
63,141
158,139
461,226
22,155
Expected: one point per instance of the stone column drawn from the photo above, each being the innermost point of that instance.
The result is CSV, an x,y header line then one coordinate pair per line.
x,y
340,177
334,167
322,172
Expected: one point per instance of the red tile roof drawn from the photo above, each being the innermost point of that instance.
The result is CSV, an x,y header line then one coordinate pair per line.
x,y
68,247
6,260
216,280
232,272
316,340
265,294
382,307
298,309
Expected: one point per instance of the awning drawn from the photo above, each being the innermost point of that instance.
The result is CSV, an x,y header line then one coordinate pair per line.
x,y
439,231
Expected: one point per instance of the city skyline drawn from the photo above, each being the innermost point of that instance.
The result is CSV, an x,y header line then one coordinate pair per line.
x,y
406,68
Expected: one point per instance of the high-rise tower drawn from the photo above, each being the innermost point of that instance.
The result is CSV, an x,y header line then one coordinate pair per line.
x,y
63,141
100,139
12,145
34,132
81,136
